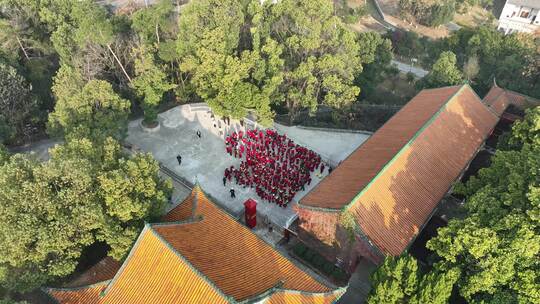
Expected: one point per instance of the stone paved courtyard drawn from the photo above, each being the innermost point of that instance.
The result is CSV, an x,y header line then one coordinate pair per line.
x,y
204,159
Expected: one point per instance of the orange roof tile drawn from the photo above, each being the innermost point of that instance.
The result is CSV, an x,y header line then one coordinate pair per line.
x,y
182,212
244,266
358,169
392,209
293,297
87,294
210,258
102,271
498,99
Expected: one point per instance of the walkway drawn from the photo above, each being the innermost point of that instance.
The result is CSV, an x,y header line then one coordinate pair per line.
x,y
406,68
359,284
204,159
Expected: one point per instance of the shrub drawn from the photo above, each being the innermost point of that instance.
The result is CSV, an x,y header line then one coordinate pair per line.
x,y
318,261
328,268
299,249
309,255
339,275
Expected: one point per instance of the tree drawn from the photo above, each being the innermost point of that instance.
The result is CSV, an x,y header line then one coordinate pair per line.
x,y
4,155
51,211
513,60
444,72
395,280
497,245
321,54
471,68
399,280
376,55
442,12
95,111
231,64
129,190
428,12
132,193
150,82
152,21
21,31
17,105
39,237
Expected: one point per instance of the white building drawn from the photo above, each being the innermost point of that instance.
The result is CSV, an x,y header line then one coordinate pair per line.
x,y
520,16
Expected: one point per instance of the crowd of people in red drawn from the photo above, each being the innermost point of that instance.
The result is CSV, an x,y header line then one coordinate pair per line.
x,y
272,164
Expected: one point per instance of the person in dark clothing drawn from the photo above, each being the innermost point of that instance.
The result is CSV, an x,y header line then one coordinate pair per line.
x,y
198,133
179,159
330,169
224,181
233,195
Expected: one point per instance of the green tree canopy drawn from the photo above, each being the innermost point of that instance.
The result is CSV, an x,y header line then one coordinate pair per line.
x,y
513,60
150,82
444,72
231,65
498,245
321,54
95,111
376,55
39,235
399,280
16,103
49,212
152,22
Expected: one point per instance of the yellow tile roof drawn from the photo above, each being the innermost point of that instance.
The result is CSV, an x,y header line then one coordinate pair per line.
x,y
231,256
209,258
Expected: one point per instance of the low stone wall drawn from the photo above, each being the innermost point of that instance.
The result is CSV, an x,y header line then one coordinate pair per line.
x,y
335,130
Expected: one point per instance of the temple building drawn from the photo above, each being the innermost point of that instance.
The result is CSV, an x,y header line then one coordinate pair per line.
x,y
377,201
199,254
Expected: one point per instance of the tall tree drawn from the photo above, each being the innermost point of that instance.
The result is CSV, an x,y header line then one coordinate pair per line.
x,y
154,21
376,55
231,70
321,54
49,212
95,111
39,237
150,82
399,280
17,105
497,246
444,72
513,60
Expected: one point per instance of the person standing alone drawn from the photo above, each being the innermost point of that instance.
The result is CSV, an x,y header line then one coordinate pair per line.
x,y
233,194
179,159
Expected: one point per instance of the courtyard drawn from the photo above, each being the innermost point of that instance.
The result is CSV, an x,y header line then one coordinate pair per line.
x,y
204,159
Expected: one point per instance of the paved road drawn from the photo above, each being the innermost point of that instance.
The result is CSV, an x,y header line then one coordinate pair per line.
x,y
359,284
406,68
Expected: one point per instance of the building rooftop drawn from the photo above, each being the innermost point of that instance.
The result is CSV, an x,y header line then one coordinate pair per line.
x,y
499,99
393,182
202,256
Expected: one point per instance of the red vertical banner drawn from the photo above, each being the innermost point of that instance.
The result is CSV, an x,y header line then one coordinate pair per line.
x,y
250,213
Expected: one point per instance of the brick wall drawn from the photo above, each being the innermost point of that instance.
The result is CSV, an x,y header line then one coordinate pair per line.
x,y
322,232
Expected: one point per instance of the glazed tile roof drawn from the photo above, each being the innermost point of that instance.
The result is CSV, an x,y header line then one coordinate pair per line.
x,y
358,169
102,271
87,294
394,181
291,297
205,258
498,99
244,266
392,210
